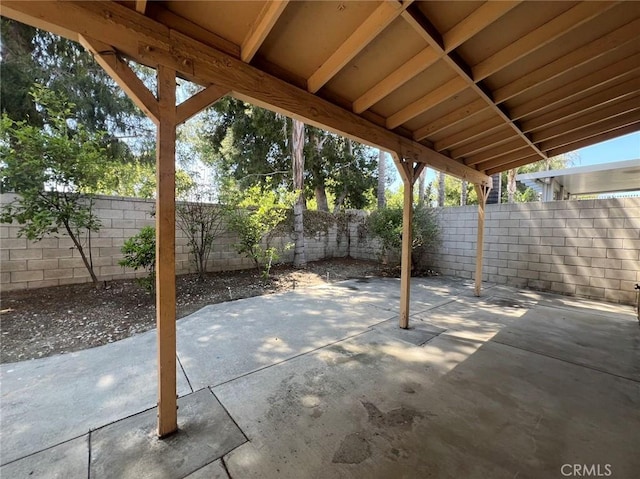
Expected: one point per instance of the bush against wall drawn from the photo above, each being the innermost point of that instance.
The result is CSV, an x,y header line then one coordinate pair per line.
x,y
386,225
140,253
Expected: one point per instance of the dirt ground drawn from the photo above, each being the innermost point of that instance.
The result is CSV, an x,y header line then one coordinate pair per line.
x,y
43,322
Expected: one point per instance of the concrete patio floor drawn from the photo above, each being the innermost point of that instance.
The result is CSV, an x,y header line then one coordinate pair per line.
x,y
321,383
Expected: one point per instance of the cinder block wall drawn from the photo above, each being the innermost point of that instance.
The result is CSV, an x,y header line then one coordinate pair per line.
x,y
53,261
587,248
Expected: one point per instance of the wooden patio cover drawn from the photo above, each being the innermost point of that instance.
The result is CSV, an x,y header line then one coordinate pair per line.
x,y
470,88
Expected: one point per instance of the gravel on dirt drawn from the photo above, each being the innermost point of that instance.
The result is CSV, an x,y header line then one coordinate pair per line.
x,y
44,322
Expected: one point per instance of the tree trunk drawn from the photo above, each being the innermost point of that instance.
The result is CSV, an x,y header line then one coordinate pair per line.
x,y
339,200
511,186
86,262
321,198
422,179
463,193
441,189
297,149
382,179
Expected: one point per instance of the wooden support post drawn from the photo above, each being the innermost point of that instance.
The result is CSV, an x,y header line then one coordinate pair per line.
x,y
483,193
408,174
165,253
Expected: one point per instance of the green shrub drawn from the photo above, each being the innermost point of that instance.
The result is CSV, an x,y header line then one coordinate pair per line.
x,y
140,252
386,225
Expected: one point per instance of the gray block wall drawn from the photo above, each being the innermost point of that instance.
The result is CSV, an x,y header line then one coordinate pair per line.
x,y
587,248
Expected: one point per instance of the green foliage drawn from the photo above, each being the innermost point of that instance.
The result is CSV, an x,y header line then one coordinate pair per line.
x,y
202,223
386,225
524,194
140,252
252,215
49,169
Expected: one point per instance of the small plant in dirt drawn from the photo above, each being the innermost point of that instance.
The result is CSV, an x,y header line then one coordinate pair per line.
x,y
201,222
140,253
252,215
51,170
386,225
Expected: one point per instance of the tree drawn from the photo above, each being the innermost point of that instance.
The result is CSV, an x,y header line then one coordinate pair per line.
x,y
519,193
49,169
297,150
464,193
441,189
382,178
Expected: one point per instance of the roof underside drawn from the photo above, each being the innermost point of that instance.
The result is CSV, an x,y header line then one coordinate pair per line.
x,y
492,85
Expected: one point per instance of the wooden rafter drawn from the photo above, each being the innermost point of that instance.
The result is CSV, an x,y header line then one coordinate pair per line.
x,y
608,135
480,19
602,78
507,158
424,27
428,101
483,143
469,134
141,6
540,37
108,59
577,57
504,148
612,123
516,164
621,91
399,77
380,19
261,28
450,119
584,121
198,102
145,40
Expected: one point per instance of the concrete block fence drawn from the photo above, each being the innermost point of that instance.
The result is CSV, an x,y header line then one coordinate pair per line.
x,y
53,261
587,248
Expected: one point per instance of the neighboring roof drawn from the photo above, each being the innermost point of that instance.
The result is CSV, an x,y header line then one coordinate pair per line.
x,y
492,85
613,177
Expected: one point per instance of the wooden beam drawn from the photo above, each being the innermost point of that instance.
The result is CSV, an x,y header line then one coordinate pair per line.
x,y
430,100
145,40
609,135
484,143
121,73
567,93
399,77
450,119
469,134
497,151
500,162
586,120
540,37
382,17
463,72
482,191
477,21
514,164
165,253
569,61
624,90
141,6
609,124
198,102
261,28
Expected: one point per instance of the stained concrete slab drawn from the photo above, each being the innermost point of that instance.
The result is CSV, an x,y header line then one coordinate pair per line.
x,y
418,333
50,400
606,342
376,407
130,448
259,332
66,460
215,470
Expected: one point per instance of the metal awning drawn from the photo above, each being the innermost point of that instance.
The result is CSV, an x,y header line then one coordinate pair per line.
x,y
615,177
